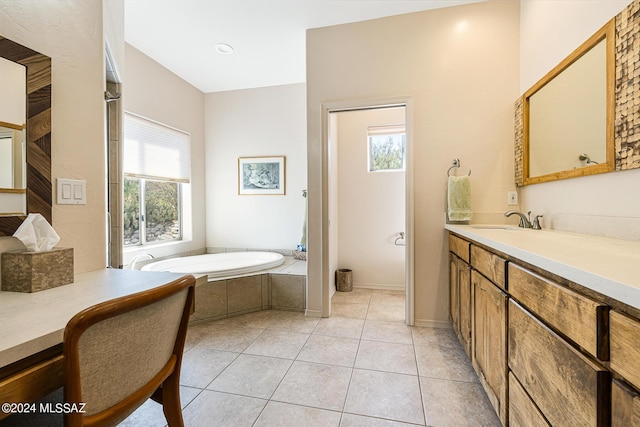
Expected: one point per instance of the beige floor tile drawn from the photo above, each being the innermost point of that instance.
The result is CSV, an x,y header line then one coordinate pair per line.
x,y
211,408
150,413
201,365
351,420
434,336
330,350
385,395
378,330
357,296
277,343
292,321
351,310
391,312
255,320
444,362
228,337
388,357
340,327
315,385
366,368
388,297
454,403
288,415
254,376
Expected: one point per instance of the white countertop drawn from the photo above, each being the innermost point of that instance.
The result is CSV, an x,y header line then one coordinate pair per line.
x,y
608,266
32,322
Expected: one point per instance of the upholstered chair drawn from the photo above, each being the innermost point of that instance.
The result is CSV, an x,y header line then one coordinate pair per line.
x,y
119,353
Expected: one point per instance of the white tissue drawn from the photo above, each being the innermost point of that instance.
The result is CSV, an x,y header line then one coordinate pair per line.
x,y
36,234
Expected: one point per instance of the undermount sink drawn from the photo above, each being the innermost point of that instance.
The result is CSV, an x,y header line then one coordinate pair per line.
x,y
494,227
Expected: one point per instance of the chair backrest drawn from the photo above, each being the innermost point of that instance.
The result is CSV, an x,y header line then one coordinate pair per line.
x,y
117,353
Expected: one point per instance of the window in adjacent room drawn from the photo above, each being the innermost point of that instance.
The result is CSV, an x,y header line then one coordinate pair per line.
x,y
157,164
386,148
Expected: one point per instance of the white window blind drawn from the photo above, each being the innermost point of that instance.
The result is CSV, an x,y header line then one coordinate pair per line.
x,y
385,130
155,151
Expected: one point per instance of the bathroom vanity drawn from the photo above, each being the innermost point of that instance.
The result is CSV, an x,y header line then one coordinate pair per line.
x,y
550,321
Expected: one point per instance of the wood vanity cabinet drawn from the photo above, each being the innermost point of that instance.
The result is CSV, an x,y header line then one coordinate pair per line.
x,y
625,347
460,300
522,411
568,387
546,352
454,293
490,341
460,291
625,405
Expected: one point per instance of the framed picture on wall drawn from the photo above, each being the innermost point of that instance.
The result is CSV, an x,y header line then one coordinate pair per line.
x,y
261,175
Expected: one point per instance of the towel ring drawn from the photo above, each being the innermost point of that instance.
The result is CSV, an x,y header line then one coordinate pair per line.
x,y
456,164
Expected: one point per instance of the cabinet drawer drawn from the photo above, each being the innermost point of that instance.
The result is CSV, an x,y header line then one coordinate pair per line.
x,y
625,405
567,387
625,349
579,318
522,411
489,264
459,247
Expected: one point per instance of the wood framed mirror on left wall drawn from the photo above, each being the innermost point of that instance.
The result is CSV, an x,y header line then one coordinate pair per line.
x,y
38,190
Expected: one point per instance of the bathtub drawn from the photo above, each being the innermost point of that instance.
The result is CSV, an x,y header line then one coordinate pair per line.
x,y
227,264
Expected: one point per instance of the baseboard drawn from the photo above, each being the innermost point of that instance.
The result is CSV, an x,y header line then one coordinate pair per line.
x,y
441,324
378,287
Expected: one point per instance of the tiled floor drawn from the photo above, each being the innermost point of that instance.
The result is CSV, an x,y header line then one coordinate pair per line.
x,y
361,367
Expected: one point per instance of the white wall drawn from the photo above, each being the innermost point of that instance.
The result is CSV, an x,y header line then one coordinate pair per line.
x,y
459,65
152,91
71,33
598,204
371,205
113,11
267,121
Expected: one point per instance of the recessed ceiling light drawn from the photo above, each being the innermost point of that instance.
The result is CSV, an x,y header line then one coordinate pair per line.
x,y
224,48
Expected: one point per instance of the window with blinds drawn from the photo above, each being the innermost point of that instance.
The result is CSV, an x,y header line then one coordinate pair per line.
x,y
386,148
156,163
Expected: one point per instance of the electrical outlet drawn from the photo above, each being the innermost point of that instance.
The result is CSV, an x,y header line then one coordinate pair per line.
x,y
512,198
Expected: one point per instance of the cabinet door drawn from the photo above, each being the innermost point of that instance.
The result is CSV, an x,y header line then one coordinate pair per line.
x,y
490,341
454,303
568,387
464,296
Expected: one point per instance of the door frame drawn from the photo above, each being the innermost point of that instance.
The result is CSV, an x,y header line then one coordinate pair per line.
x,y
350,105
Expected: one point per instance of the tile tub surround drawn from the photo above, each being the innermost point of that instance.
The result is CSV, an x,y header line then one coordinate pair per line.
x,y
281,288
281,368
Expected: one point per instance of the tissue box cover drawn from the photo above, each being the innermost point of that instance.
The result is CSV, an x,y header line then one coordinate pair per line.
x,y
24,271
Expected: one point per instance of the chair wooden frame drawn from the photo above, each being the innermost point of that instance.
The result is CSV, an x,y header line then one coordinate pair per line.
x,y
164,387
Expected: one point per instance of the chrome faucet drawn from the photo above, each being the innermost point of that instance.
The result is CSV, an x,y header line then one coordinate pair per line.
x,y
525,221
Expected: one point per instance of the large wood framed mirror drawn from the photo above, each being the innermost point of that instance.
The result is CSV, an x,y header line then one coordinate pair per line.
x,y
568,115
36,160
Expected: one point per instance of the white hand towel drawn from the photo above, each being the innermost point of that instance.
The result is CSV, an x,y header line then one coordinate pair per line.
x,y
459,198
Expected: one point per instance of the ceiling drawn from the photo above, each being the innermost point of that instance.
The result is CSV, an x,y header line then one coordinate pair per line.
x,y
268,36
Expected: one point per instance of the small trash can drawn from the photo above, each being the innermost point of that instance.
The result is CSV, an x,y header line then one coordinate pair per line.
x,y
344,280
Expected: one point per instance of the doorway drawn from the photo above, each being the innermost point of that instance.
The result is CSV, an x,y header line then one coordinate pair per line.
x,y
369,214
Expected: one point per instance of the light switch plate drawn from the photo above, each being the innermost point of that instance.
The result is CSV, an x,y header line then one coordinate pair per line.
x,y
512,198
71,191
